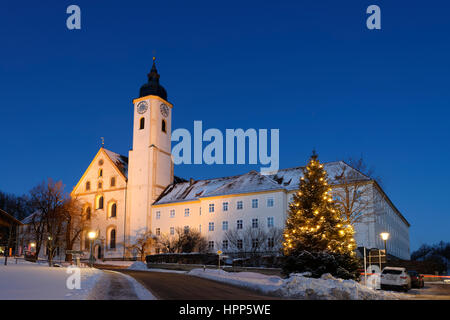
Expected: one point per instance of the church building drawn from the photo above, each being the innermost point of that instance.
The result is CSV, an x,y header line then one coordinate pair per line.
x,y
126,196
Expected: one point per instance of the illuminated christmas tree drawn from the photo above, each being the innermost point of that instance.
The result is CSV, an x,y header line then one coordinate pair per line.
x,y
315,228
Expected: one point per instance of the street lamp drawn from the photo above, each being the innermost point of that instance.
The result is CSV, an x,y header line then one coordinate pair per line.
x,y
50,251
91,235
385,237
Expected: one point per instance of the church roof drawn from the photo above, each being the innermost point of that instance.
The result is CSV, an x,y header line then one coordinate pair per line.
x,y
119,160
284,179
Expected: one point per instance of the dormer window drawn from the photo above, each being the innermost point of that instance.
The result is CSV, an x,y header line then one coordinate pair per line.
x,y
142,123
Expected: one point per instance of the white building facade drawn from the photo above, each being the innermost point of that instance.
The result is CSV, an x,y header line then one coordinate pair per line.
x,y
126,196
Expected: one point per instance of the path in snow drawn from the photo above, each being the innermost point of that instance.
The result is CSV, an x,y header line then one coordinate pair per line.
x,y
113,286
116,286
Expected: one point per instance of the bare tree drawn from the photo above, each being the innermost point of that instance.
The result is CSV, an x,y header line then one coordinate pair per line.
x,y
254,240
235,240
76,222
167,243
353,192
144,241
274,237
48,223
190,240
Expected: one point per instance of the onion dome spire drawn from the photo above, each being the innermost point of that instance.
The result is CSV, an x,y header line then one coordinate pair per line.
x,y
152,87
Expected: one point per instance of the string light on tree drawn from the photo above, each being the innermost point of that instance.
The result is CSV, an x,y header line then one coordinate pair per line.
x,y
314,222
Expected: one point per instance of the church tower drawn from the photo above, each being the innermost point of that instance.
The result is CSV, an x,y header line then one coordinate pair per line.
x,y
150,162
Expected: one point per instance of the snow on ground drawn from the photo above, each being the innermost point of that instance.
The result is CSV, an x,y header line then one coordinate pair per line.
x,y
37,281
141,266
298,286
138,265
116,263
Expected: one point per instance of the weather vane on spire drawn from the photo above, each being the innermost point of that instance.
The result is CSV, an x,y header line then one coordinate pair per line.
x,y
103,141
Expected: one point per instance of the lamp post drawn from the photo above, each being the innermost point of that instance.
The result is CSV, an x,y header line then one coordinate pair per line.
x,y
91,236
50,251
385,237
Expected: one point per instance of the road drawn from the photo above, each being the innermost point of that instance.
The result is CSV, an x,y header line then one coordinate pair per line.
x,y
178,286
431,291
175,286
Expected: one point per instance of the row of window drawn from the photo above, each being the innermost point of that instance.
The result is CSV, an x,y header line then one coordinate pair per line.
x,y
240,244
142,124
239,226
100,183
112,212
239,206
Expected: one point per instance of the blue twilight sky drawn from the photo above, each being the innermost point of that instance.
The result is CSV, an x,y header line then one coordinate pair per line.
x,y
310,68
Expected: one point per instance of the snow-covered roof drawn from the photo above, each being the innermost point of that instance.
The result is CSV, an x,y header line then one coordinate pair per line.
x,y
290,178
29,219
119,160
285,179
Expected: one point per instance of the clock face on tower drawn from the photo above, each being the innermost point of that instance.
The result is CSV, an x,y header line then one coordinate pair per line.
x,y
142,107
164,110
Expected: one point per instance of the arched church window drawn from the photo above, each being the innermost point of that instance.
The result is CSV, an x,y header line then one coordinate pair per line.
x,y
142,123
100,185
113,213
113,182
88,213
112,239
100,202
163,126
100,173
88,186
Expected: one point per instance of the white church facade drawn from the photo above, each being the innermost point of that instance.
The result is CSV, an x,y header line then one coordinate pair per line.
x,y
125,196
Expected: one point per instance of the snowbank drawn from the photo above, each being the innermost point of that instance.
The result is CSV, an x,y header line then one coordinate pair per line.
x,y
298,286
115,263
138,265
32,281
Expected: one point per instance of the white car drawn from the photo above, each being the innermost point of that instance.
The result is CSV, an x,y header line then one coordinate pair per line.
x,y
395,278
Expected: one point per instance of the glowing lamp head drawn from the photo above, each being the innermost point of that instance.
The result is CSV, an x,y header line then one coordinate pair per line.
x,y
33,244
384,235
92,235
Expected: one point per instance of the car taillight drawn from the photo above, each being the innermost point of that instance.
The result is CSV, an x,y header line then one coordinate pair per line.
x,y
403,277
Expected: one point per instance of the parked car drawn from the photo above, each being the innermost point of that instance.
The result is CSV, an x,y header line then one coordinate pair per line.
x,y
416,279
395,278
